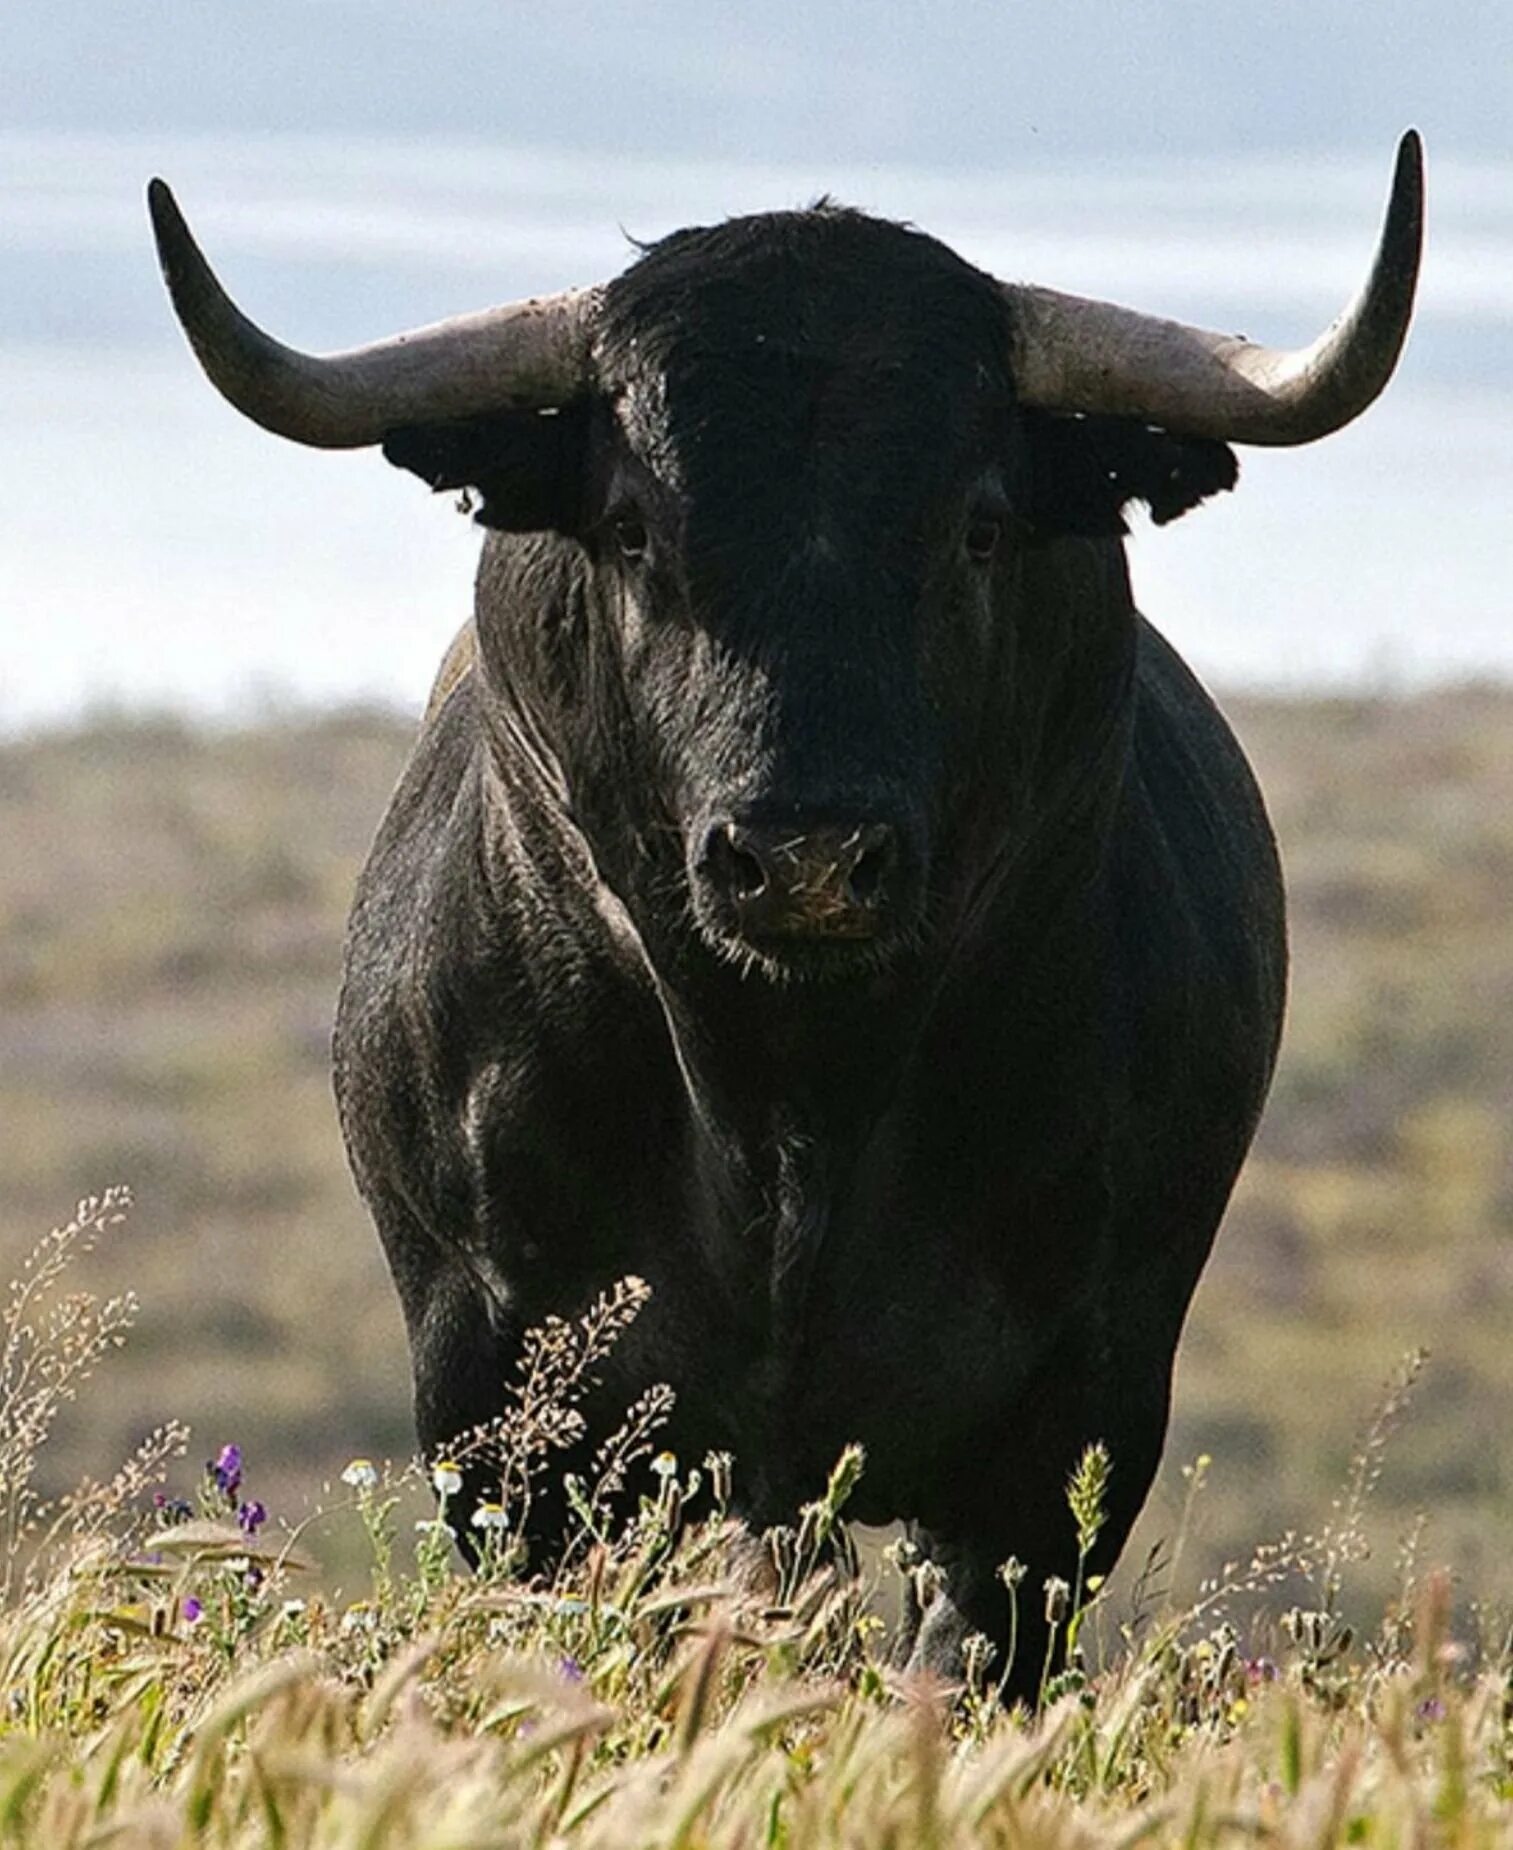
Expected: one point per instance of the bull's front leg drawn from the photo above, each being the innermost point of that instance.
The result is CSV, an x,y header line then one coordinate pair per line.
x,y
1019,1512
464,1350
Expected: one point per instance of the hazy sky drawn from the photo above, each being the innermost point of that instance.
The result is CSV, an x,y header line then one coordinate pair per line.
x,y
980,82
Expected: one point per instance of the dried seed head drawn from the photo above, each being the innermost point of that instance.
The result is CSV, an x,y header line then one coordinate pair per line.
x,y
928,1582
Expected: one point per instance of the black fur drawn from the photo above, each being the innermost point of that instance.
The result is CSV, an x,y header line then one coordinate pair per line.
x,y
946,1190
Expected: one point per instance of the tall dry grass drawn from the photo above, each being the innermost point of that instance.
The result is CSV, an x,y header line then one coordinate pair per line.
x,y
173,1670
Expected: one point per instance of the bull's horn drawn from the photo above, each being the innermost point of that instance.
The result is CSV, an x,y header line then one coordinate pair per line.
x,y
523,353
1071,354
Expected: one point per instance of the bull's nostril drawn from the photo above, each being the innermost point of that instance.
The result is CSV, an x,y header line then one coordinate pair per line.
x,y
868,874
740,874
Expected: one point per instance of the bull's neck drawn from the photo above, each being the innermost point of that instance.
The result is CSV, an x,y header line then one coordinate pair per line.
x,y
784,1090
763,1062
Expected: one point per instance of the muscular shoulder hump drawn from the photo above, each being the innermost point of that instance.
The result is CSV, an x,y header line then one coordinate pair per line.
x,y
456,666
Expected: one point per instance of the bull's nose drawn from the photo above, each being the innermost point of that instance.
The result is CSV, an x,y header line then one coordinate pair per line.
x,y
839,880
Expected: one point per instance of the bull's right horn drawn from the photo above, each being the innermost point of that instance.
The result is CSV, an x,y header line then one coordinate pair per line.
x,y
527,353
1071,354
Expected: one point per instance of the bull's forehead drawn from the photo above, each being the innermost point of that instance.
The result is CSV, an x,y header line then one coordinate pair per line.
x,y
805,300
802,276
795,357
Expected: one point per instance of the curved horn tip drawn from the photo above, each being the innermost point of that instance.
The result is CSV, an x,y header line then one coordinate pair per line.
x,y
1402,238
1408,172
170,229
162,207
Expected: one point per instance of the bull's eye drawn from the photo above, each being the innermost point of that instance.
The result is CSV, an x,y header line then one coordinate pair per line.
x,y
984,531
631,536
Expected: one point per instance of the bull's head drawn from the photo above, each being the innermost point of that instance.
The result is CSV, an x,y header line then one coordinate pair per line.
x,y
784,576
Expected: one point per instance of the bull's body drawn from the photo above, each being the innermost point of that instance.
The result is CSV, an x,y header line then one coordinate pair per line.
x,y
964,1232
815,889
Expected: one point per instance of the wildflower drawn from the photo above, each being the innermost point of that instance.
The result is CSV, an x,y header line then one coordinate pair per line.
x,y
225,1471
901,1553
1057,1595
433,1525
977,1652
171,1509
447,1477
570,1668
665,1464
1012,1573
250,1517
929,1582
490,1516
292,1608
191,1609
361,1473
359,1616
718,1465
1260,1670
1431,1709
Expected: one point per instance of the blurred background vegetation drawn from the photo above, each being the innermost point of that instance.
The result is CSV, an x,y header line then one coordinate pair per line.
x,y
171,907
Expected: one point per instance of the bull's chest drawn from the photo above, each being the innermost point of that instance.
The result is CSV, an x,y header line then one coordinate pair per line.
x,y
902,1329
899,1298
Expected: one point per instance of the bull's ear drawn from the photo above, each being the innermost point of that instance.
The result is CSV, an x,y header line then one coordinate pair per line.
x,y
1084,471
527,466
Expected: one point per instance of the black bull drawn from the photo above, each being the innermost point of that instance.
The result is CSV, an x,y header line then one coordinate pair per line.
x,y
816,890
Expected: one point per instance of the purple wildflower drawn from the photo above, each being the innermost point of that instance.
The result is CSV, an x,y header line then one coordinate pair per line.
x,y
570,1668
171,1509
226,1471
251,1516
191,1609
1431,1709
1260,1670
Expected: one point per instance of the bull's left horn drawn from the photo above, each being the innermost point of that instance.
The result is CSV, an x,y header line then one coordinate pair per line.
x,y
534,352
1071,354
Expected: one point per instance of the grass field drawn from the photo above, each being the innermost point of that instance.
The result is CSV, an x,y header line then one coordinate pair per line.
x,y
170,917
174,1673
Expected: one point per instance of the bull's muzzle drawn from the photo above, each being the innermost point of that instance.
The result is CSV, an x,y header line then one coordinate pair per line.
x,y
839,880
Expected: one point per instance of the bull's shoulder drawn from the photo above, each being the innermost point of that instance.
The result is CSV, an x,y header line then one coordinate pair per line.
x,y
456,667
1197,843
1190,765
1186,752
425,841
